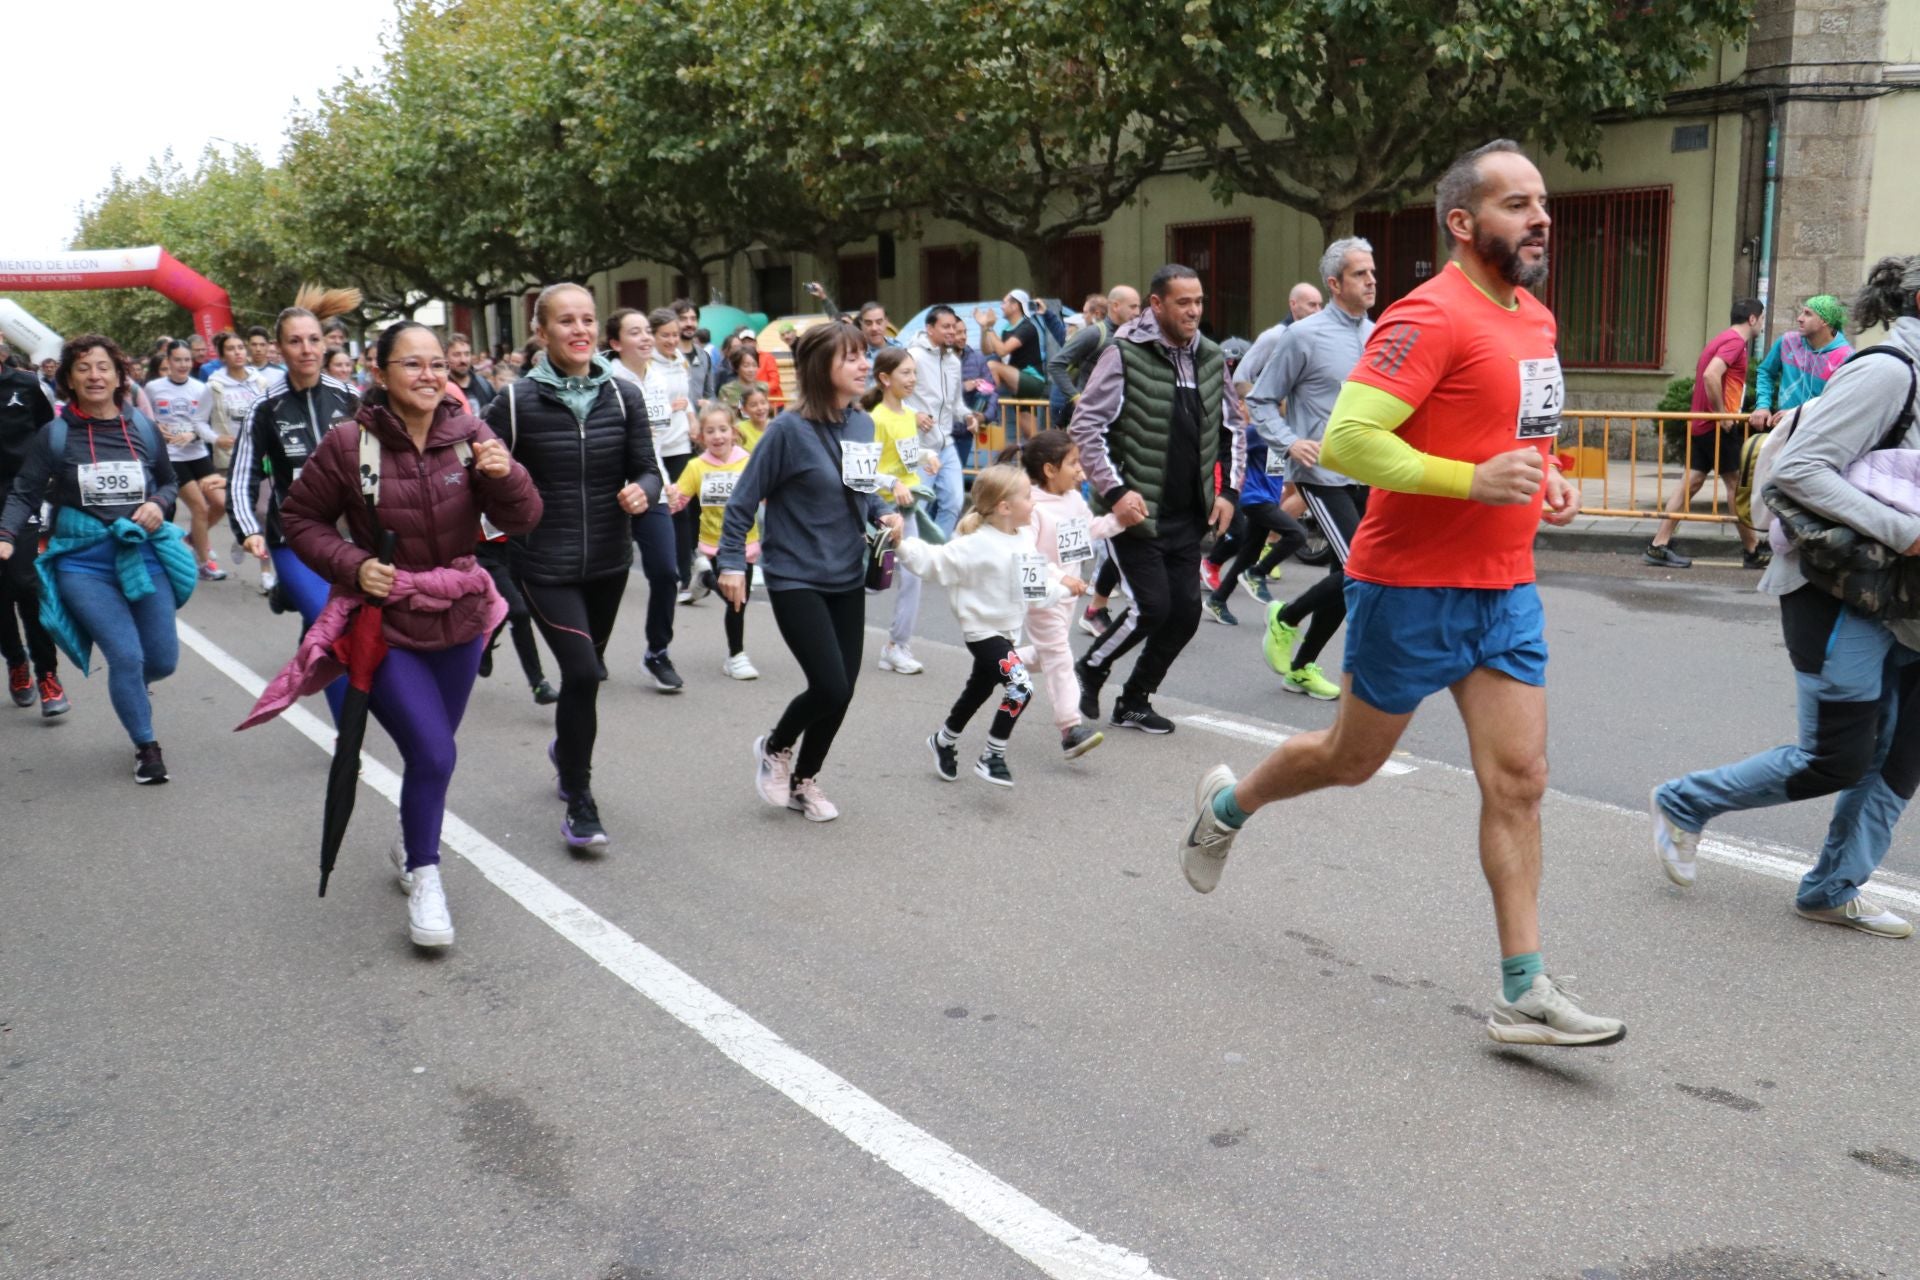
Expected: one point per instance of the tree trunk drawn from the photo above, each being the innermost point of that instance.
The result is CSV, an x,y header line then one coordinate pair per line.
x,y
1336,224
1039,254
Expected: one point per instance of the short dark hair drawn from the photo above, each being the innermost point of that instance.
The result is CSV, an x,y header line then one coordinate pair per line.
x,y
258,331
1461,186
703,336
940,311
1157,287
80,346
335,325
457,336
618,318
1746,309
682,304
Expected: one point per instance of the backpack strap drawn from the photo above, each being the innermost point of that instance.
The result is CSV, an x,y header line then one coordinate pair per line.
x,y
370,469
57,439
513,414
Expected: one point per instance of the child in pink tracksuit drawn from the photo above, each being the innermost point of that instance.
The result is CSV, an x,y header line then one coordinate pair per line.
x,y
1064,529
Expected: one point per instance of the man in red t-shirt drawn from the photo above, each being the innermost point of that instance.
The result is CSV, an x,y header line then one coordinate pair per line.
x,y
1451,416
1719,386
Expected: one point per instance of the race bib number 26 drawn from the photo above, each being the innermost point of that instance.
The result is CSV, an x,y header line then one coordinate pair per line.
x,y
1542,395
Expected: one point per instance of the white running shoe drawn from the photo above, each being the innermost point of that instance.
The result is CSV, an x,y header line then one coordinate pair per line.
x,y
685,596
428,923
398,853
1675,847
740,667
899,659
268,581
1861,913
1203,853
698,588
1546,1014
772,773
806,798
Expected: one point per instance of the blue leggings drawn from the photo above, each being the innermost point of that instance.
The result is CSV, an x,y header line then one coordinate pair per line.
x,y
136,637
653,534
419,698
308,591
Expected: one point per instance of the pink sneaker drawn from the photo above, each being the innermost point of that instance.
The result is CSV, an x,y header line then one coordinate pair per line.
x,y
773,772
806,798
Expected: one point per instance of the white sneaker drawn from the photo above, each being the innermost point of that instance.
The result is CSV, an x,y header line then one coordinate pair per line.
x,y
398,853
685,596
428,923
740,667
1675,847
1203,853
698,588
268,581
772,773
899,659
1546,1014
806,798
1861,913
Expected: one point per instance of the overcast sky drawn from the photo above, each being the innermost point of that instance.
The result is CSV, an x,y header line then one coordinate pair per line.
x,y
118,83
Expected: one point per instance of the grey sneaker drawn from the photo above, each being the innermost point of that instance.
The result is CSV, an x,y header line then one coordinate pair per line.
x,y
1861,913
1547,1014
1675,847
1203,853
1665,557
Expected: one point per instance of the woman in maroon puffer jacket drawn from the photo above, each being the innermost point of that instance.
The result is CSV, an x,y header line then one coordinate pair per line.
x,y
440,469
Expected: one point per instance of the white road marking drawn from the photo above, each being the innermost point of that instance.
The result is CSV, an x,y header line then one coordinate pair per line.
x,y
1048,1241
1777,861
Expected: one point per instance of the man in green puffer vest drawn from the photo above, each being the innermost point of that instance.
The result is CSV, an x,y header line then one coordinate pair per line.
x,y
1151,427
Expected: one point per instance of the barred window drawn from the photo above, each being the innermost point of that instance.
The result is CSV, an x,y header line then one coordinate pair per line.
x,y
1608,289
1221,254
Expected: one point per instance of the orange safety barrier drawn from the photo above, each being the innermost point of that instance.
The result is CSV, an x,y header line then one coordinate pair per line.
x,y
1609,454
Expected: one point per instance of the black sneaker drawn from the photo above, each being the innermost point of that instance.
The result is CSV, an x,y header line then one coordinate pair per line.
x,y
544,694
1079,740
1090,681
946,760
486,662
1665,557
1217,610
993,767
581,828
278,601
1758,558
1141,716
148,766
665,678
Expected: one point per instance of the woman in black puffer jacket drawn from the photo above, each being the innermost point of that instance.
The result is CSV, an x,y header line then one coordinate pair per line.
x,y
585,439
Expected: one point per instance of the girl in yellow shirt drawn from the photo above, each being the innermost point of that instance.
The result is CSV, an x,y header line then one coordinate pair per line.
x,y
898,428
709,479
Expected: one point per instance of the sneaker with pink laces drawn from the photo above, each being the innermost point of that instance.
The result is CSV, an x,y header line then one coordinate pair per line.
x,y
773,772
806,799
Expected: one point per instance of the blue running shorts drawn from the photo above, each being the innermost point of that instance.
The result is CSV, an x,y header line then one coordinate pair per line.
x,y
1404,643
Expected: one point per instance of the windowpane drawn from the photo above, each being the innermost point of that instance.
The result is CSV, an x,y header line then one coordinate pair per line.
x,y
1073,269
1221,254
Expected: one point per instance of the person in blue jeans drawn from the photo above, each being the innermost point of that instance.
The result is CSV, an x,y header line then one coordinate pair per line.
x,y
1858,677
114,570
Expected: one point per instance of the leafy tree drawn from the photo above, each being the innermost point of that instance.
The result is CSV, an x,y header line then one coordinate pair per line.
x,y
1014,121
1331,106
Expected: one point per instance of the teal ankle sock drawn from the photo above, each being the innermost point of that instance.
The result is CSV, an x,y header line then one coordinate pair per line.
x,y
1517,974
1229,813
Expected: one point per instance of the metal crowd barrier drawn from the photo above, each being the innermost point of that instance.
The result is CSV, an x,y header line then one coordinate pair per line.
x,y
1622,457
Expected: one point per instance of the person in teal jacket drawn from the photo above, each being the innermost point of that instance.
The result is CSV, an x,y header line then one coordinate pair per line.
x,y
116,569
1801,361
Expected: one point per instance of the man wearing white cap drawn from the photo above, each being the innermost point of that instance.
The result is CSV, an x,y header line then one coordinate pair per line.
x,y
1018,357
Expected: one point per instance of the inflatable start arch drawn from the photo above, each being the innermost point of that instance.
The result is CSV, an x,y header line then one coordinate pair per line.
x,y
148,267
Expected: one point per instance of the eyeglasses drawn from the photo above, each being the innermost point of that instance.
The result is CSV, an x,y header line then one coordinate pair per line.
x,y
415,366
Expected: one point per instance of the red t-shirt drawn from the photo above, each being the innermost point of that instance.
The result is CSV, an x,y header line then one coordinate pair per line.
x,y
1482,380
1731,347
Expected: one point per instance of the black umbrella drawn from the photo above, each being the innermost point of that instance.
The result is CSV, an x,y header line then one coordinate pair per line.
x,y
362,647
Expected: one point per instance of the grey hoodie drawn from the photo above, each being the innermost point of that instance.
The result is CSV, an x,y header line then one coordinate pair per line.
x,y
1847,421
940,391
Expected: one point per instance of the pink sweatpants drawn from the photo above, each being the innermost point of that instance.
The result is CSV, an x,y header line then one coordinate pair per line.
x,y
1047,652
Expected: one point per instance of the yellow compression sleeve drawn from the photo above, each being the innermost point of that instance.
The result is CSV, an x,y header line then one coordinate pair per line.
x,y
1361,443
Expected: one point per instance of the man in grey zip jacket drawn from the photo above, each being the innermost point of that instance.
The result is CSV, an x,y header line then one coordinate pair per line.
x,y
1859,723
939,399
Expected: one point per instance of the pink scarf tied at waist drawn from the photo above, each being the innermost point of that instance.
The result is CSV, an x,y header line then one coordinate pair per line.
x,y
314,667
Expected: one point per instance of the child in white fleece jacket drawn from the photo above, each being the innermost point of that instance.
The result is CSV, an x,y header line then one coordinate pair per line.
x,y
993,573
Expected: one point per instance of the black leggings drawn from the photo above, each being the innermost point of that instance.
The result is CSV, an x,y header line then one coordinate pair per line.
x,y
492,558
1262,518
686,521
826,632
1108,576
995,666
1338,508
577,620
733,621
1162,575
20,591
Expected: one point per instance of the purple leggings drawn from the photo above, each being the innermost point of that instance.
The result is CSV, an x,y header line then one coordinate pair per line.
x,y
418,698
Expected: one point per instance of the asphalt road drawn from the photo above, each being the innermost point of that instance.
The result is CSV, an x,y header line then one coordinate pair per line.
x,y
957,1031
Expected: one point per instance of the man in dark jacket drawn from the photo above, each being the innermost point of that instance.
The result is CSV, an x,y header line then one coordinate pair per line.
x,y
24,409
479,391
1071,363
1151,426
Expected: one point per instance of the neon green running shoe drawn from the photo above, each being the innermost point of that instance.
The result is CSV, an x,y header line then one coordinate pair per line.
x,y
1310,680
1280,640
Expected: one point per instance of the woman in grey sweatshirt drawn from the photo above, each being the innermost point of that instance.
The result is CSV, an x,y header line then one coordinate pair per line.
x,y
817,469
1859,739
